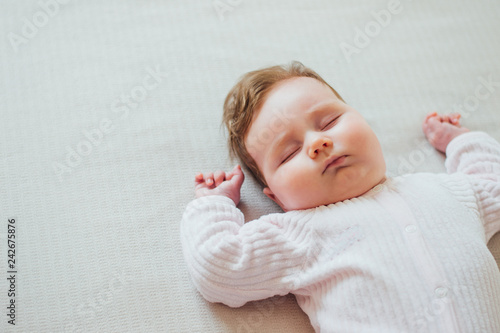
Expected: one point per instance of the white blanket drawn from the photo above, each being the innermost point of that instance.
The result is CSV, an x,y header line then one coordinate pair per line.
x,y
109,108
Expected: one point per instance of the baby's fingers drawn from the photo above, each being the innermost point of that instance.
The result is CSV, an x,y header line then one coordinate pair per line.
x,y
236,175
450,118
455,118
236,171
209,178
430,115
201,179
430,122
219,177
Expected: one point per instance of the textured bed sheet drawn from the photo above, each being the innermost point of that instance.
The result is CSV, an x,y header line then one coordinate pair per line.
x,y
109,108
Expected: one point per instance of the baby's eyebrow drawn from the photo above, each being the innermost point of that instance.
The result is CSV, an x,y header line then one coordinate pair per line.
x,y
322,107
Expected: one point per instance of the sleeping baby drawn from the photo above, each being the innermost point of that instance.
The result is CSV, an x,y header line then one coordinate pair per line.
x,y
361,252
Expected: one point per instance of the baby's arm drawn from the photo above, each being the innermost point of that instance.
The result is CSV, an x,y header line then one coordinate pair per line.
x,y
475,154
231,261
440,130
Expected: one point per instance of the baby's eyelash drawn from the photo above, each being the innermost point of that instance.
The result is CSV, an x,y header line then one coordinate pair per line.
x,y
330,122
289,156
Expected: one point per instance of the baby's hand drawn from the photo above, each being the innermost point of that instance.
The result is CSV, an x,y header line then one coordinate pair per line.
x,y
220,183
440,130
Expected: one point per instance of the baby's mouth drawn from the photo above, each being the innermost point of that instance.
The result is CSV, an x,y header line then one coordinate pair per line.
x,y
334,161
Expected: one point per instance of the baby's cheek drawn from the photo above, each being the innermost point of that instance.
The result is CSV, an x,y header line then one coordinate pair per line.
x,y
290,181
351,129
364,136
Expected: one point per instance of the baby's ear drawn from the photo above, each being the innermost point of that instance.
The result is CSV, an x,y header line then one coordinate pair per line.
x,y
267,191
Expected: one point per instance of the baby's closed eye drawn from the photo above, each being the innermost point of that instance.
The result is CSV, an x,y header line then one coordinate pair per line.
x,y
289,154
330,123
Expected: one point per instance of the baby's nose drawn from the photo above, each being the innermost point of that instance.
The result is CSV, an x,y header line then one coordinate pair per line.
x,y
318,145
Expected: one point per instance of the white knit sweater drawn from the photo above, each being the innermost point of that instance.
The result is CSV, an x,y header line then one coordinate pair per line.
x,y
408,256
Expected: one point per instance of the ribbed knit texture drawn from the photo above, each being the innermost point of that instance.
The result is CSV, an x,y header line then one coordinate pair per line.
x,y
484,167
408,256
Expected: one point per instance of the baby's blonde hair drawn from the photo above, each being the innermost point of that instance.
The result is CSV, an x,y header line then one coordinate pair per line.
x,y
245,99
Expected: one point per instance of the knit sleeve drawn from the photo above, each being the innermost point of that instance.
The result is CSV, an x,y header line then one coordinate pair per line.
x,y
478,155
233,262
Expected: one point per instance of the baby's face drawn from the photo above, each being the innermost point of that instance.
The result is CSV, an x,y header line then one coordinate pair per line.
x,y
312,148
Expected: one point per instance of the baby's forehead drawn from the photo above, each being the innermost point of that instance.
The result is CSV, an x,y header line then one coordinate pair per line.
x,y
298,83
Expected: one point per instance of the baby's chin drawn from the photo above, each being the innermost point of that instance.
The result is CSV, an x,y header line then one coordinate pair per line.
x,y
353,192
314,204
